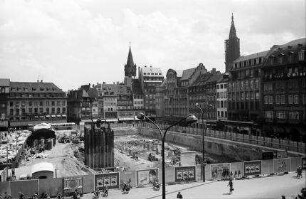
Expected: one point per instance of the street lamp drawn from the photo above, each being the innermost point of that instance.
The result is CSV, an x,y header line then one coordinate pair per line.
x,y
189,119
203,136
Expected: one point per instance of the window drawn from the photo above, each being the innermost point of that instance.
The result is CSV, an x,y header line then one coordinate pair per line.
x,y
58,103
40,103
63,110
296,99
294,115
281,115
270,99
30,110
257,95
41,110
290,99
53,103
283,101
269,114
47,103
35,110
47,110
53,110
302,55
58,110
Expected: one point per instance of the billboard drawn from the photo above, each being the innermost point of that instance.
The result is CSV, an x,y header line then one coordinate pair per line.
x,y
71,184
220,171
110,180
252,168
146,177
185,174
281,165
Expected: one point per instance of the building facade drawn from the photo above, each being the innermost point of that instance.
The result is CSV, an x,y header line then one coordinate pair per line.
x,y
222,102
26,103
150,77
284,91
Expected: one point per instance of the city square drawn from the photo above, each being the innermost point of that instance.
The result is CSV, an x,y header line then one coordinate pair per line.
x,y
202,99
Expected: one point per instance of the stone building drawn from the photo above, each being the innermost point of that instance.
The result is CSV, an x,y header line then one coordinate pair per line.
x,y
232,47
284,91
244,92
222,102
26,103
150,77
203,92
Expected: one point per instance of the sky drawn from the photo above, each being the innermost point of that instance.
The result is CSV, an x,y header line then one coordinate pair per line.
x,y
75,42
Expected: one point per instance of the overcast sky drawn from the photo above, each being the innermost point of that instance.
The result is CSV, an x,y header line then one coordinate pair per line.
x,y
74,42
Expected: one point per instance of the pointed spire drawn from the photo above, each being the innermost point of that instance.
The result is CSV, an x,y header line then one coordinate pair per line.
x,y
130,61
232,33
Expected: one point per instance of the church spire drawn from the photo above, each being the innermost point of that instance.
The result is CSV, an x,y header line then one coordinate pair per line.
x,y
232,33
130,67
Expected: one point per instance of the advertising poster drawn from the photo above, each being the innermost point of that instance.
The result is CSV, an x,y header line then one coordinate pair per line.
x,y
303,163
281,165
220,171
185,174
252,168
146,177
110,180
73,183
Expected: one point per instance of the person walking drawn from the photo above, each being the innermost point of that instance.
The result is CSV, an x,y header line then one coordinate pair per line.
x,y
179,195
230,184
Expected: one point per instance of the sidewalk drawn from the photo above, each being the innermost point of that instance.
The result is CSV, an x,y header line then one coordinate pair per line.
x,y
266,187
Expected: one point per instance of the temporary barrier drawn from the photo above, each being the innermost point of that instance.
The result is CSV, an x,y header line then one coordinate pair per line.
x,y
71,184
267,167
146,177
185,174
27,187
110,180
252,168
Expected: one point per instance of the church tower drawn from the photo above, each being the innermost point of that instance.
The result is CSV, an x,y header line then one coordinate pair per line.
x,y
232,47
130,67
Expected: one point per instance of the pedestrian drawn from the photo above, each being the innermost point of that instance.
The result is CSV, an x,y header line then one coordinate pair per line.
x,y
179,195
230,184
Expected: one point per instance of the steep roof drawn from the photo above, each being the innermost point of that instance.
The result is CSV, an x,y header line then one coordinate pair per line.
x,y
187,73
34,87
150,69
251,56
4,82
232,33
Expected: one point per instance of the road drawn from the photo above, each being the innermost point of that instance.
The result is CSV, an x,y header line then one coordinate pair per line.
x,y
265,187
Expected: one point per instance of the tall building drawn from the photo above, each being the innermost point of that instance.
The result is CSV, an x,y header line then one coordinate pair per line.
x,y
150,77
244,92
222,102
284,91
26,103
232,47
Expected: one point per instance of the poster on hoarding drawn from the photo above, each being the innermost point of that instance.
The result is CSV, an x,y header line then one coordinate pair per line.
x,y
281,165
71,184
220,171
185,174
303,163
110,180
252,168
146,177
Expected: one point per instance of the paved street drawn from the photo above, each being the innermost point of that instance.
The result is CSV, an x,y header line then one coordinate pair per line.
x,y
267,187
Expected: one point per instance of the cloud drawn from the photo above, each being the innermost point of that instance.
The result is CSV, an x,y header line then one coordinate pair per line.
x,y
73,42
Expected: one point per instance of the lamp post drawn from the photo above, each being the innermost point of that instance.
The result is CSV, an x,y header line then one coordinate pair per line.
x,y
189,119
203,143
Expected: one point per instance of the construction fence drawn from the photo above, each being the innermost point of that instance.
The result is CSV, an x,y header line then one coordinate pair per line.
x,y
141,178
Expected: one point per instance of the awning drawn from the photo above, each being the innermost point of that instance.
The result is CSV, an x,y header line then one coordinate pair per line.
x,y
52,115
58,116
64,115
47,115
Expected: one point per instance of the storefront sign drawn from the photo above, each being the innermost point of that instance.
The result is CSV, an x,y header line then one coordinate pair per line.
x,y
185,174
252,168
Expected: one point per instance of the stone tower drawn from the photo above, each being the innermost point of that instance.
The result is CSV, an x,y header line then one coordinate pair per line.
x,y
130,67
232,47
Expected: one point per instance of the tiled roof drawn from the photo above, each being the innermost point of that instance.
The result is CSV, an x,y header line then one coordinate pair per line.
x,y
187,73
4,82
207,78
251,56
150,69
34,87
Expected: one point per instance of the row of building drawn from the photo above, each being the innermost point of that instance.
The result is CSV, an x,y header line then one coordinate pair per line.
x,y
261,93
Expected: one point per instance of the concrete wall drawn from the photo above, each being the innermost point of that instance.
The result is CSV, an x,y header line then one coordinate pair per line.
x,y
27,187
233,150
51,186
